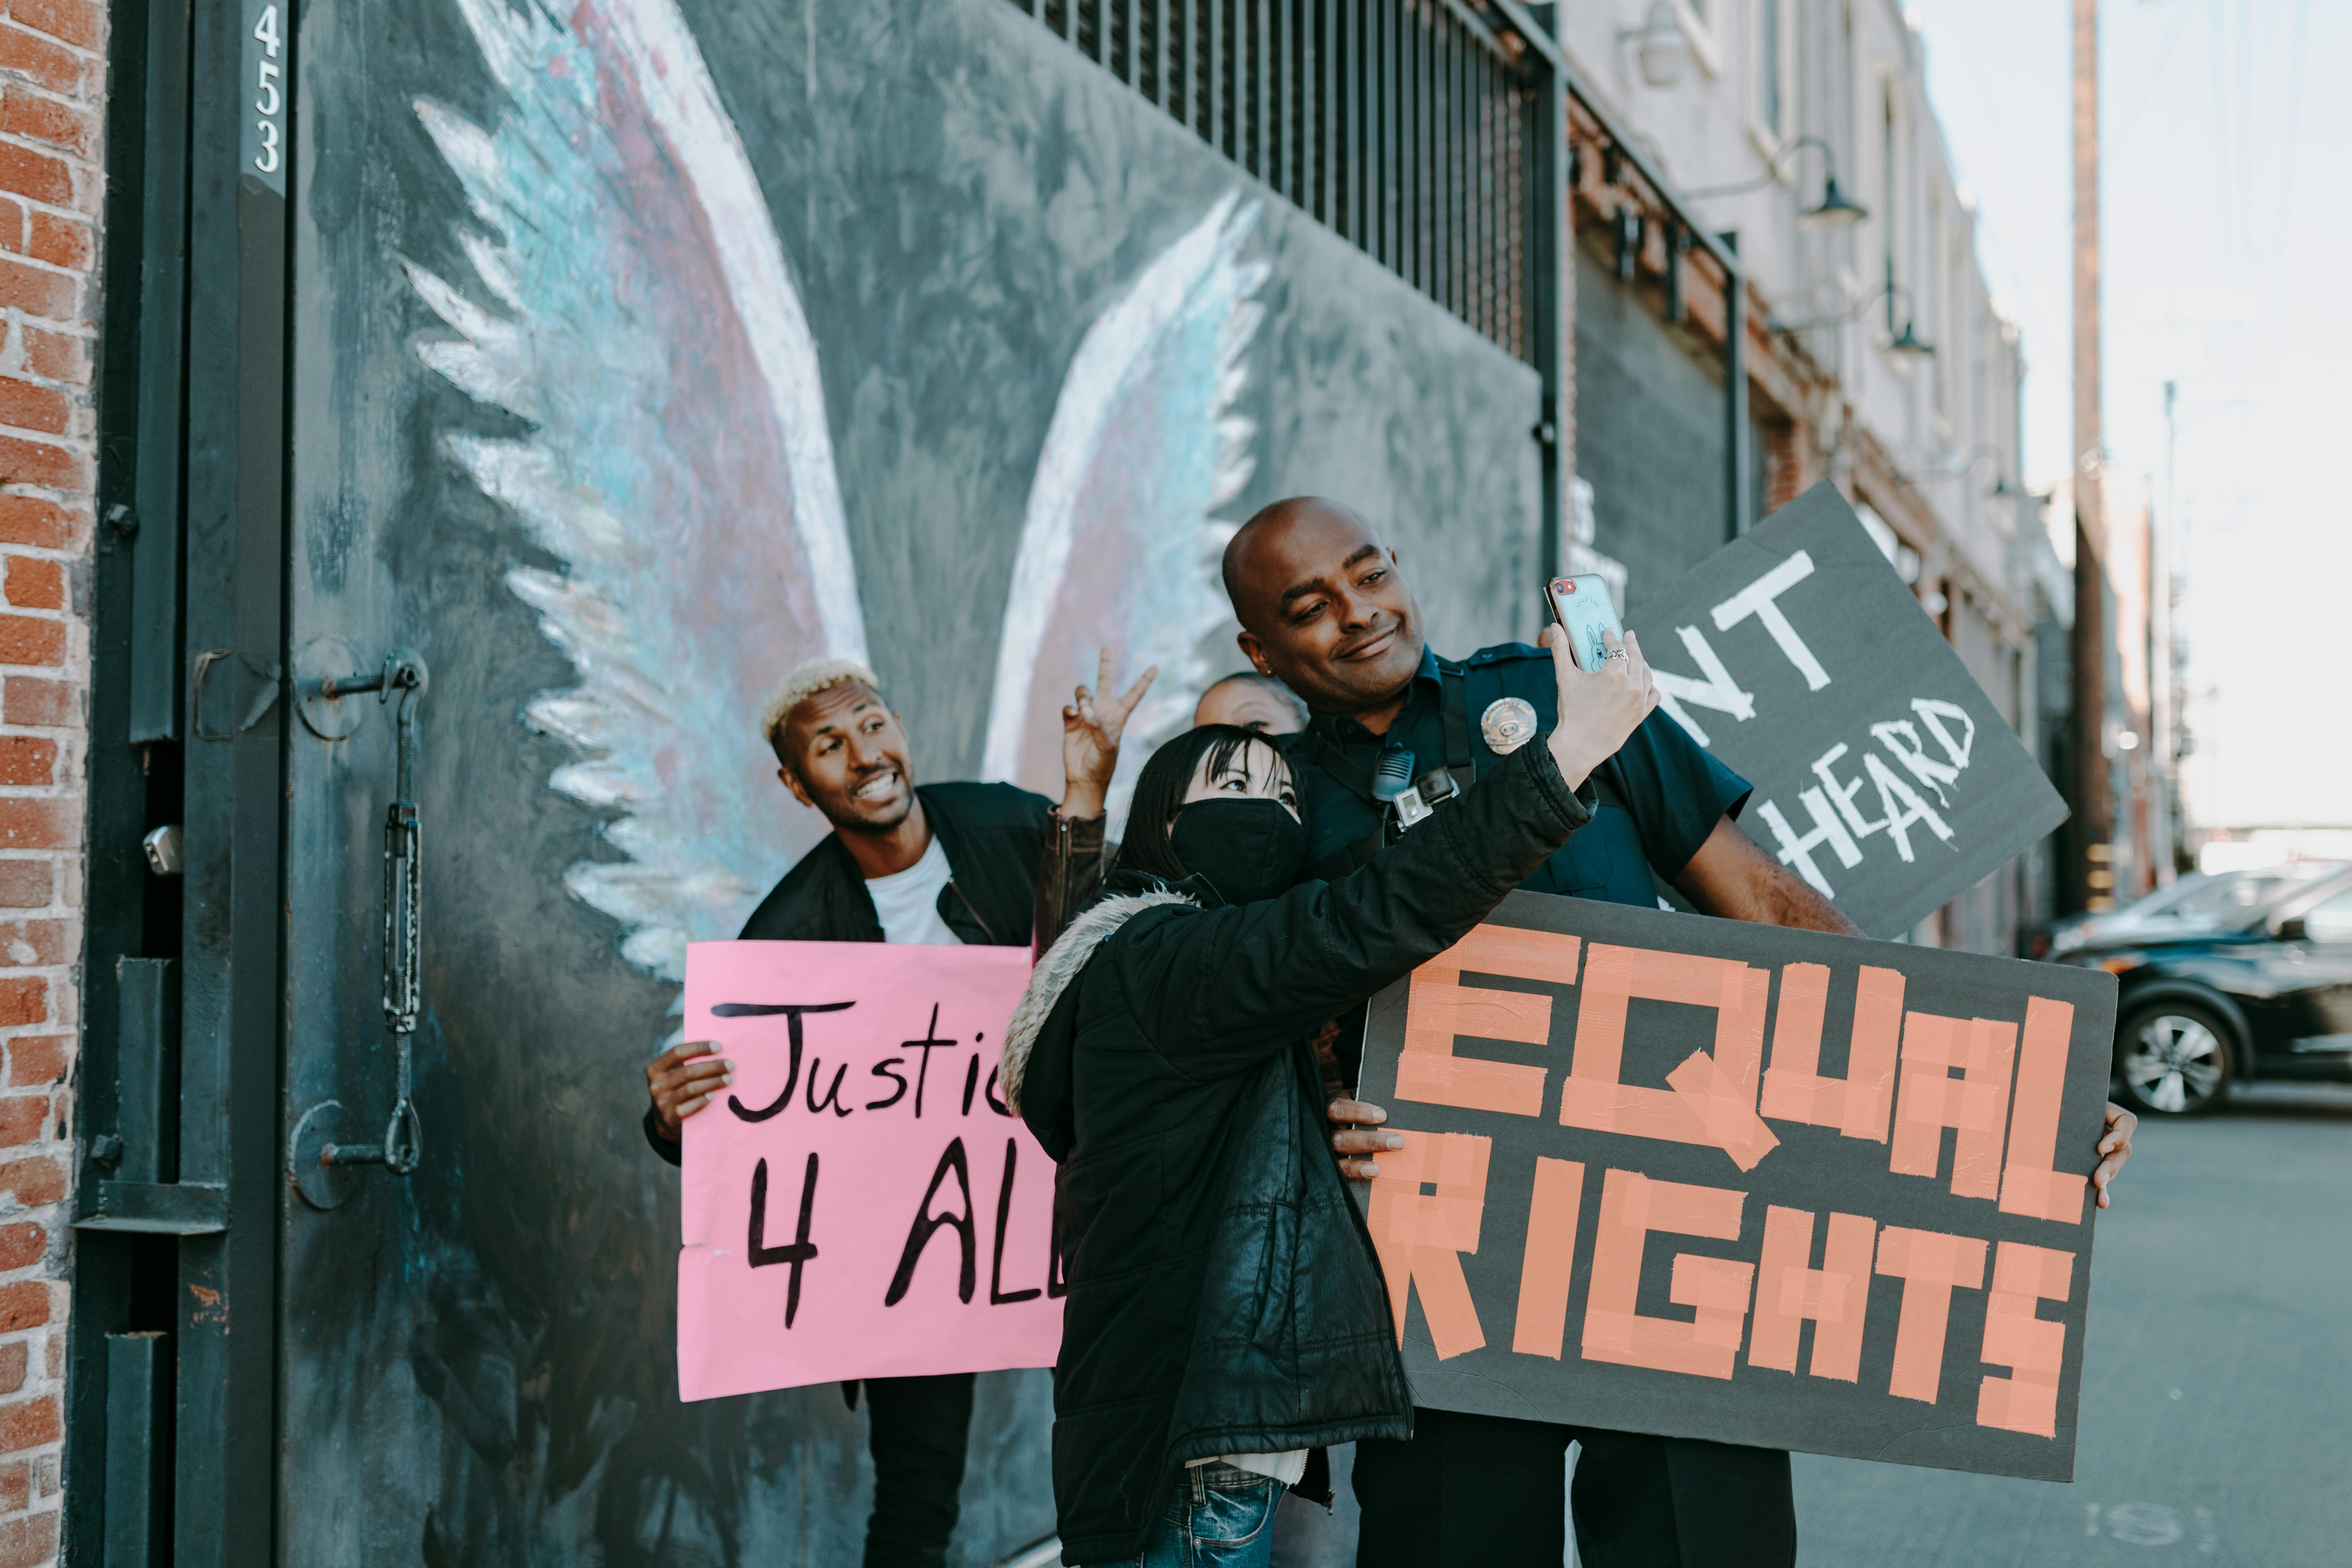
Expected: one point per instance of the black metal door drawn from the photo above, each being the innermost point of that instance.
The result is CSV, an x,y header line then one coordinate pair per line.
x,y
478,1262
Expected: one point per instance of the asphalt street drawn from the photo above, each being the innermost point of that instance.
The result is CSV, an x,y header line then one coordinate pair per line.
x,y
2217,1400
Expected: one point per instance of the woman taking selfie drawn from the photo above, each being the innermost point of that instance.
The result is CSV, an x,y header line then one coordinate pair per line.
x,y
1225,1311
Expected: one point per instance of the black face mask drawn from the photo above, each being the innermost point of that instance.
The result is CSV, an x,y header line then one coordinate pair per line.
x,y
1250,849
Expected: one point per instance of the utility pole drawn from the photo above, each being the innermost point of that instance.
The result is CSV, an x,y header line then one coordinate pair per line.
x,y
2163,752
2090,873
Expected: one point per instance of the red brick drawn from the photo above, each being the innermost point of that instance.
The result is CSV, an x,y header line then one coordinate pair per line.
x,y
29,699
46,824
28,1424
30,288
35,1060
43,943
26,884
36,1181
31,407
44,525
15,230
27,760
39,175
24,999
37,118
29,1542
59,241
56,356
36,583
16,1485
24,1305
24,639
22,1245
13,1357
39,60
76,22
23,1118
39,463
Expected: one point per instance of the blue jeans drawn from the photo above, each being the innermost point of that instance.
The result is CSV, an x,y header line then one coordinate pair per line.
x,y
1219,1518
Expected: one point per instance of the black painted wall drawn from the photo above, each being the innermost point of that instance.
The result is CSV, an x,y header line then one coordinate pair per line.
x,y
477,1362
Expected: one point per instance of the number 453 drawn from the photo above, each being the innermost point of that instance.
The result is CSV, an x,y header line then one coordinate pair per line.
x,y
269,101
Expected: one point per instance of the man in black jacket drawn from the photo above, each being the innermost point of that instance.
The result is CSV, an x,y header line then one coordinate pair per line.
x,y
905,863
1325,608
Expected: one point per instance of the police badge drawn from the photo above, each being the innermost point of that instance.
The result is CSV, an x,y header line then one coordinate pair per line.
x,y
1507,724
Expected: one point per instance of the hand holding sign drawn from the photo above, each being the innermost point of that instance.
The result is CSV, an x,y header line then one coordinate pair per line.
x,y
2114,1148
681,1081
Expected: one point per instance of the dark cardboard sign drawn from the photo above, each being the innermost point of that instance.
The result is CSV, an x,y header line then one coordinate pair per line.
x,y
1698,1177
1883,773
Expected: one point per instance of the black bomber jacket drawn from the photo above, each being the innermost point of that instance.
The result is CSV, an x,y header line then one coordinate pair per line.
x,y
1223,1295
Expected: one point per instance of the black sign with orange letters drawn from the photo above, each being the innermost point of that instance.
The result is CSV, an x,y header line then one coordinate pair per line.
x,y
1710,1179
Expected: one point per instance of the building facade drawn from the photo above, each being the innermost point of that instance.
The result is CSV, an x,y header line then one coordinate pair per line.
x,y
1877,357
269,429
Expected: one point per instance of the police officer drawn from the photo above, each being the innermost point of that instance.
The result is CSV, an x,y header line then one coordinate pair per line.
x,y
1395,731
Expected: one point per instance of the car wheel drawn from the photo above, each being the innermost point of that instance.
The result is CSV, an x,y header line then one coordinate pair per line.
x,y
2173,1059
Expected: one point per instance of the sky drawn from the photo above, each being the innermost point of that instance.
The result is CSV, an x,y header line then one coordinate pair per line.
x,y
2226,134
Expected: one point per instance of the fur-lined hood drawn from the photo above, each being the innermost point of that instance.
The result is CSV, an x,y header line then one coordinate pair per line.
x,y
1058,968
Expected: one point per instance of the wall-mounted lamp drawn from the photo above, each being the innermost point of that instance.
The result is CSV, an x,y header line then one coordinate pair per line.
x,y
1907,343
1658,43
1835,211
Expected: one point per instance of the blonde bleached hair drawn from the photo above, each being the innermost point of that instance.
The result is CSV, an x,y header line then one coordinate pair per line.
x,y
805,681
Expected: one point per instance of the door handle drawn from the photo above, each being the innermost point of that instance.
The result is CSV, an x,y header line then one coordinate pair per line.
x,y
403,677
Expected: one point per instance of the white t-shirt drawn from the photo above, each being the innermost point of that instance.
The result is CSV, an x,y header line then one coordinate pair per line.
x,y
908,902
1287,1467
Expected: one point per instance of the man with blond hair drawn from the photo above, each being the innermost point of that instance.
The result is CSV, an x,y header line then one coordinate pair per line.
x,y
905,863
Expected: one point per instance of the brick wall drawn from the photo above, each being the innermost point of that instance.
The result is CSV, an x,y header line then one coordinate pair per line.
x,y
52,84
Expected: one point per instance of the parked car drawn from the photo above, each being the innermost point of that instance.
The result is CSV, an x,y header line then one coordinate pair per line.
x,y
2255,982
2192,903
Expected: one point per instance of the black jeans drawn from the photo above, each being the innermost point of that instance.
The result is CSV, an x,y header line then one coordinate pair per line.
x,y
1480,1491
920,1428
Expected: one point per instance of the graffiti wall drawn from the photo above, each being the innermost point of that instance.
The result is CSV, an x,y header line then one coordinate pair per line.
x,y
643,348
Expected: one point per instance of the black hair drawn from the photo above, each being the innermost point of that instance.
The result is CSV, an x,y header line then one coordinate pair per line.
x,y
1160,791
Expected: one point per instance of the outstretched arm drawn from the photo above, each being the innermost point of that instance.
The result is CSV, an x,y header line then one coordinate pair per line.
x,y
1224,988
1729,876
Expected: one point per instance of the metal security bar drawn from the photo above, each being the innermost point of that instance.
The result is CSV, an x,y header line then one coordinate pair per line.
x,y
1407,126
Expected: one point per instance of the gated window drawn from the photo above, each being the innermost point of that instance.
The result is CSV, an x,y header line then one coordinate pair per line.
x,y
1406,126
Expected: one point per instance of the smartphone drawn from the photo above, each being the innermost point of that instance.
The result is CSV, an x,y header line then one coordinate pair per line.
x,y
1580,605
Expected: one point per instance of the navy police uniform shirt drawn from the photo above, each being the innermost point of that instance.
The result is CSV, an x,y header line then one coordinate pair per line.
x,y
1660,796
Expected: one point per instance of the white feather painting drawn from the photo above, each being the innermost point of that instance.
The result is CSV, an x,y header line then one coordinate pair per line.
x,y
632,304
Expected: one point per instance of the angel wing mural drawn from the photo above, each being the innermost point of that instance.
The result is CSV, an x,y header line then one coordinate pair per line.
x,y
635,311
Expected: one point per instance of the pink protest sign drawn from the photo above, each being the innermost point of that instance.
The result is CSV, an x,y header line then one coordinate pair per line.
x,y
859,1203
